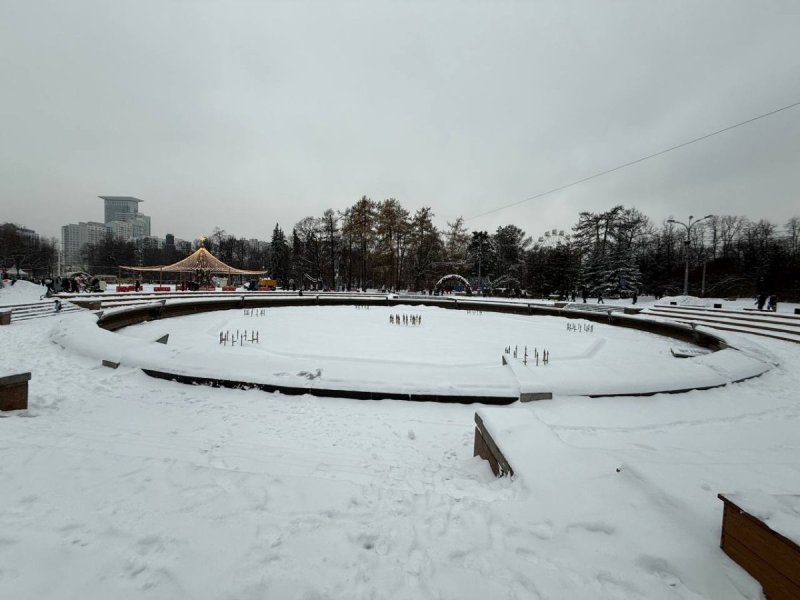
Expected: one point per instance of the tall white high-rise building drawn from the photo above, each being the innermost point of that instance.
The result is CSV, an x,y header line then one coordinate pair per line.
x,y
125,209
70,246
74,237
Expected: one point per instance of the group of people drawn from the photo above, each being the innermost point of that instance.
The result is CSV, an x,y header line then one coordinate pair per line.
x,y
405,319
71,285
770,301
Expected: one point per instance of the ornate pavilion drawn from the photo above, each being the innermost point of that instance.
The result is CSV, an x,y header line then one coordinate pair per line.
x,y
201,264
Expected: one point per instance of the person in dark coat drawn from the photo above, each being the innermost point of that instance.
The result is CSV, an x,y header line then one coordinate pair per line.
x,y
761,301
773,303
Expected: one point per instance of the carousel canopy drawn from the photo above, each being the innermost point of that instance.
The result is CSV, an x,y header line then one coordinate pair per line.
x,y
201,259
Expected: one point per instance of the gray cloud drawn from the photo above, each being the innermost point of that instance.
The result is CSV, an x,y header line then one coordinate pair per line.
x,y
249,113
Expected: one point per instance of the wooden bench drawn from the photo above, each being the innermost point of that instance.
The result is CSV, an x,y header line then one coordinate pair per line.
x,y
486,448
14,391
771,557
5,317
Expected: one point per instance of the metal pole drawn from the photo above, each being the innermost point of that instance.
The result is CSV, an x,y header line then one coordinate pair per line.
x,y
703,280
687,243
686,271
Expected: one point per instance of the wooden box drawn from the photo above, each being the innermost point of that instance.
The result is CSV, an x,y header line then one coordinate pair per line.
x,y
769,556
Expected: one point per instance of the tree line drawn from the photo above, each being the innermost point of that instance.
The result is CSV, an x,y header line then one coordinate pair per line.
x,y
617,252
23,252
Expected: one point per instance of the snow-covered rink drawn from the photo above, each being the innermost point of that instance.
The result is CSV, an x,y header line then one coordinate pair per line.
x,y
118,485
449,351
364,334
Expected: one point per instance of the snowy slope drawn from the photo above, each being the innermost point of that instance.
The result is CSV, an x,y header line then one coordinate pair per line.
x,y
22,292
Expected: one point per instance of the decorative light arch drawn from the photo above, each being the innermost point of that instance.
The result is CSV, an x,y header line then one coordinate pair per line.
x,y
457,277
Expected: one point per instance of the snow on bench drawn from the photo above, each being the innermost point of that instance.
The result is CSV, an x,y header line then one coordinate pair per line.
x,y
761,532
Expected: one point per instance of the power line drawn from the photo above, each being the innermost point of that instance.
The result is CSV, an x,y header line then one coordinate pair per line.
x,y
633,162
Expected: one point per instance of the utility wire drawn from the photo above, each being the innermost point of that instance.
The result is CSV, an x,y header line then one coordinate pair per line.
x,y
633,162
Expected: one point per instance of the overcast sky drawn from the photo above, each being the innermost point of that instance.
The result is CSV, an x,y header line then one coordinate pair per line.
x,y
244,114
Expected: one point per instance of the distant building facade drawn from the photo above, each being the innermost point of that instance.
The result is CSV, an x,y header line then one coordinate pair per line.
x,y
182,247
28,234
74,237
121,230
120,208
125,209
92,232
70,245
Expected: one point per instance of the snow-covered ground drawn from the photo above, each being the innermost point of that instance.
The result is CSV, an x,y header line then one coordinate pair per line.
x,y
116,485
22,292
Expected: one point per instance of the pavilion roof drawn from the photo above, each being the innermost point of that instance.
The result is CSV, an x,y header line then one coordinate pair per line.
x,y
199,259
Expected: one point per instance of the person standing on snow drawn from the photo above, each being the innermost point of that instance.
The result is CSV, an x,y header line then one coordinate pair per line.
x,y
773,303
761,300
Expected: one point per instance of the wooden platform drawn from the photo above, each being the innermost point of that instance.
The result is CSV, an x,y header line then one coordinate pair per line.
x,y
14,391
769,556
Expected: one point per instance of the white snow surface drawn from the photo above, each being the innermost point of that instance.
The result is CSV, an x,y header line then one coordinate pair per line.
x,y
117,485
450,352
22,292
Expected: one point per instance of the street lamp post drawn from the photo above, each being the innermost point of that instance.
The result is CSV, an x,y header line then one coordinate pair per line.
x,y
688,228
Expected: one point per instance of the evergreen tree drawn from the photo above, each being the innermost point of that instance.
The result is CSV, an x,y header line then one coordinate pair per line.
x,y
425,249
280,257
620,274
510,244
481,255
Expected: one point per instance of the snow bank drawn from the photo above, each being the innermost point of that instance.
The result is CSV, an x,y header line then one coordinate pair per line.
x,y
22,292
688,301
